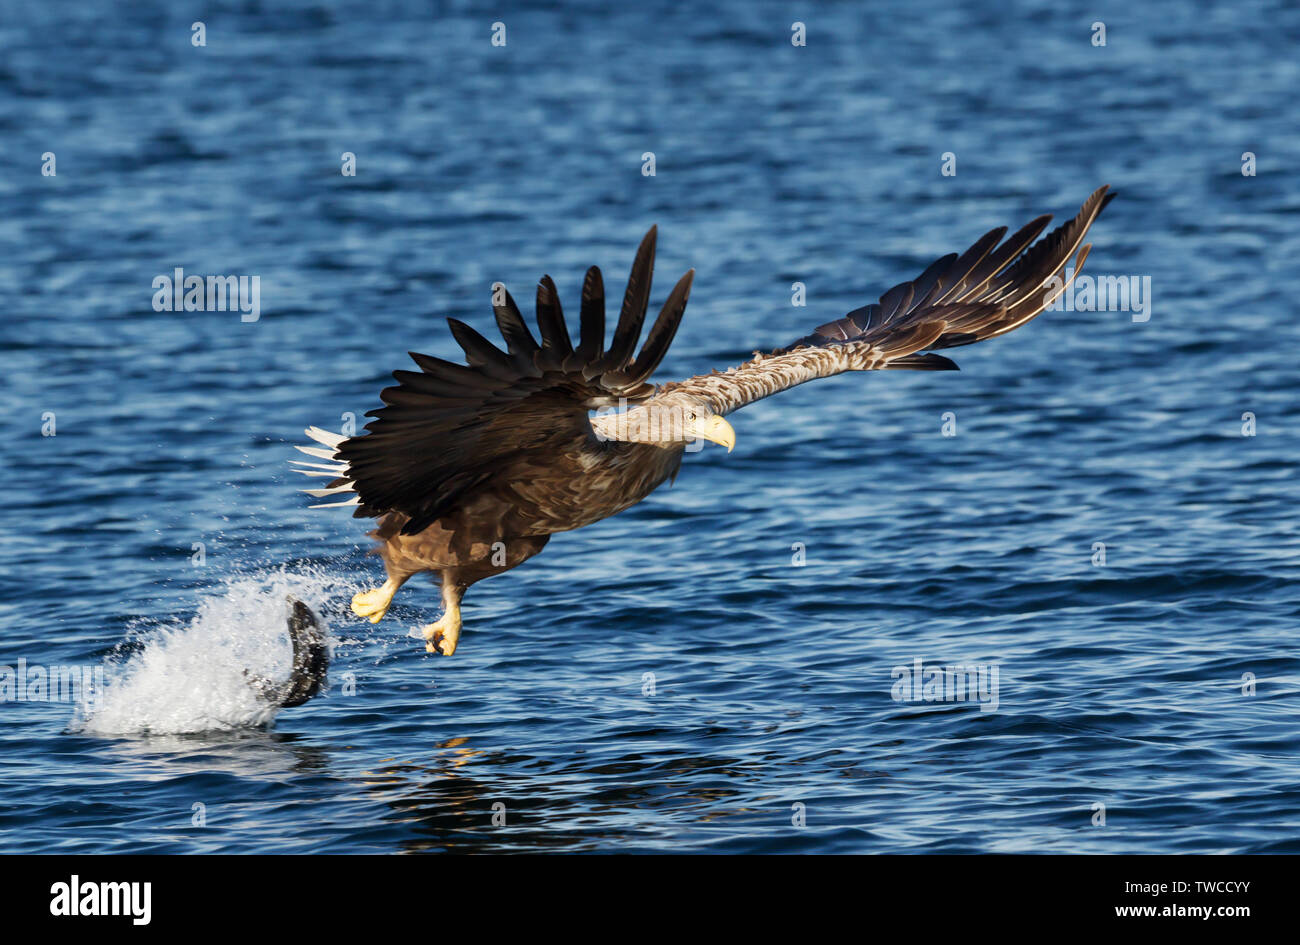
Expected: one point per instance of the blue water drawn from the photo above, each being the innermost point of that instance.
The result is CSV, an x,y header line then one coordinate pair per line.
x,y
1119,684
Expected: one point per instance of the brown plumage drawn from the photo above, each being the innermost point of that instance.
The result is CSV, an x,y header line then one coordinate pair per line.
x,y
471,468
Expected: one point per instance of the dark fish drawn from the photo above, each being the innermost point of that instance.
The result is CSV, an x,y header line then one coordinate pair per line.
x,y
311,660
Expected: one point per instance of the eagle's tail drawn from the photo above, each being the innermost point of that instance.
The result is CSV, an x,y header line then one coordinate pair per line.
x,y
336,469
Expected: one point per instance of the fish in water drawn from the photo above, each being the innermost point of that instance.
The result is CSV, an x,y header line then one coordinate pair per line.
x,y
311,661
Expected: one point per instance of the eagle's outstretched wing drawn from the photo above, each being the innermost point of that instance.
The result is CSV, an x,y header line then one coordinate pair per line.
x,y
450,427
988,290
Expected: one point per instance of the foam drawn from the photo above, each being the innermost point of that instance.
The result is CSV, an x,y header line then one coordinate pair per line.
x,y
189,676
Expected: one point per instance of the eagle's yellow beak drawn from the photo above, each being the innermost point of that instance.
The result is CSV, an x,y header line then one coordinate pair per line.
x,y
716,430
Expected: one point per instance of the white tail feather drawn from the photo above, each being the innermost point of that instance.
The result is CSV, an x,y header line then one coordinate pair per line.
x,y
328,467
335,469
316,451
355,500
325,437
321,493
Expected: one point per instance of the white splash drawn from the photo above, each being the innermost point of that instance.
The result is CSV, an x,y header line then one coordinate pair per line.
x,y
190,676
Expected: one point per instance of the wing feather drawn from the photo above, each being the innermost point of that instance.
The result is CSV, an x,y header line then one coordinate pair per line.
x,y
636,301
988,290
481,353
663,331
520,343
591,344
556,345
449,429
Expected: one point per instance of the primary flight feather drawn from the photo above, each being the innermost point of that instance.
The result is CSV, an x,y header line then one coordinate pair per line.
x,y
470,468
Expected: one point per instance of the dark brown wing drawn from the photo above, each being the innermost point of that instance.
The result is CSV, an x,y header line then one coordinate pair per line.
x,y
450,427
988,290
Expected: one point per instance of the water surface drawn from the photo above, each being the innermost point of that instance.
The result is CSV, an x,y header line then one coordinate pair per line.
x,y
1119,685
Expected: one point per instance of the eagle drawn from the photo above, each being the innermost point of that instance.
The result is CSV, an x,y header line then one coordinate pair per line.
x,y
471,468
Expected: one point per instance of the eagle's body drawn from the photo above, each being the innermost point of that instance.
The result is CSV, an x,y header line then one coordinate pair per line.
x,y
471,468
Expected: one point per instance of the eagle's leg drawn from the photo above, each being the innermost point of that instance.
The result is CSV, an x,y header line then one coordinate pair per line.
x,y
443,635
374,604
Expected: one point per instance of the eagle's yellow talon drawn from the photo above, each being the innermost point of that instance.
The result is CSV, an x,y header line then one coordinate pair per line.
x,y
374,604
443,636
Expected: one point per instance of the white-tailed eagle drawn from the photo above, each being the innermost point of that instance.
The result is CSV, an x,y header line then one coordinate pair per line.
x,y
470,468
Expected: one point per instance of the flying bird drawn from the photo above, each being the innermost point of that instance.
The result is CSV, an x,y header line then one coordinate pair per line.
x,y
470,468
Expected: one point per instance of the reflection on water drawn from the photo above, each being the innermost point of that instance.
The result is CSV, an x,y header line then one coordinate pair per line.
x,y
449,805
251,753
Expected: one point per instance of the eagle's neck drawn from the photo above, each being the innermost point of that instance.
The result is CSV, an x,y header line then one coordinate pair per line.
x,y
653,424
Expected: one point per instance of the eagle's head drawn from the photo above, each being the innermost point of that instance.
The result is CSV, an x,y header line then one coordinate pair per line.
x,y
671,420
